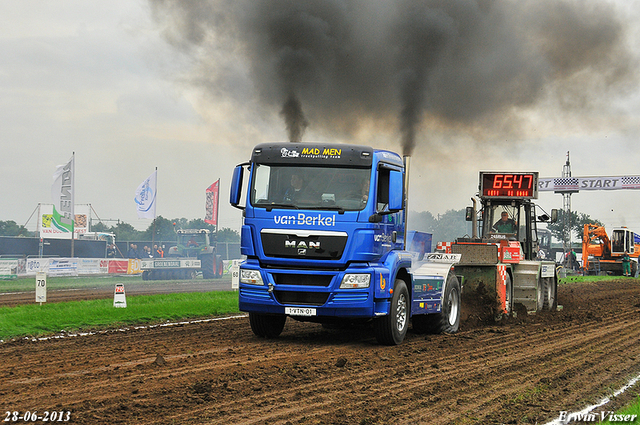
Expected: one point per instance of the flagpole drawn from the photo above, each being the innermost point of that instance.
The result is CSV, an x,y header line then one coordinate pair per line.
x,y
155,191
73,200
218,210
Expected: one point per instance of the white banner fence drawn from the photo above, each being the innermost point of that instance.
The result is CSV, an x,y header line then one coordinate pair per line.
x,y
12,268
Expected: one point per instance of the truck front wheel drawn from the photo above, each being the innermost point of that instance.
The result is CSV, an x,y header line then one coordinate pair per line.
x,y
448,320
267,325
392,328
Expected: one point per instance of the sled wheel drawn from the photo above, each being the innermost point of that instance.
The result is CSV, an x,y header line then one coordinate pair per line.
x,y
448,319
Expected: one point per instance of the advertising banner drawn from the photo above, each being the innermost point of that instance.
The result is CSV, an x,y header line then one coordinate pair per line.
x,y
118,266
35,265
52,266
63,267
104,266
146,197
212,201
134,266
62,193
70,266
89,266
48,229
9,269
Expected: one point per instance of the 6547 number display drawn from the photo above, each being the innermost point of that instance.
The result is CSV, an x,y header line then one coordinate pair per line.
x,y
509,185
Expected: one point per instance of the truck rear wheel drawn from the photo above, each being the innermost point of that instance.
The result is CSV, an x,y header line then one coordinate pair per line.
x,y
448,320
208,266
392,328
219,267
267,325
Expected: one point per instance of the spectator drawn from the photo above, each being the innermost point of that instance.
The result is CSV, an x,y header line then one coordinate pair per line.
x,y
133,251
626,264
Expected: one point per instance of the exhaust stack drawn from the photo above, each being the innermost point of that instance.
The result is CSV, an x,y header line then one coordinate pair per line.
x,y
474,220
406,159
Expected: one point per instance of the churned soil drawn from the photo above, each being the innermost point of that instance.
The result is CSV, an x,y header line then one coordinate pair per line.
x,y
520,370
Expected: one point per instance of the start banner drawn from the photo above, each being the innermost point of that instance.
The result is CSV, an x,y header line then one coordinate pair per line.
x,y
576,184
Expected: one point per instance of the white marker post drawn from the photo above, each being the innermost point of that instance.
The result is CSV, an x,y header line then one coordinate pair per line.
x,y
235,274
41,287
119,298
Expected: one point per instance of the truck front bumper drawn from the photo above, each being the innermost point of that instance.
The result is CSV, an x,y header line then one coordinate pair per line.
x,y
311,292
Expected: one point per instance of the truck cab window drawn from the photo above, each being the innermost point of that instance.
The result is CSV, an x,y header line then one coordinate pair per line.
x,y
382,192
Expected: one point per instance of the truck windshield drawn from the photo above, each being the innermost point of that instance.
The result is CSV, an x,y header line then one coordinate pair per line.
x,y
193,239
502,219
310,187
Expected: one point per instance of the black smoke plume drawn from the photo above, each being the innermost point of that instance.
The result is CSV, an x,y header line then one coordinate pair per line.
x,y
461,65
294,118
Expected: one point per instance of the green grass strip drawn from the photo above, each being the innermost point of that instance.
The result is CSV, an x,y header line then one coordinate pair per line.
x,y
38,320
630,414
579,278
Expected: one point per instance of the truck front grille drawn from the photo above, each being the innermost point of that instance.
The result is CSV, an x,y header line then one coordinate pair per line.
x,y
324,245
301,298
302,279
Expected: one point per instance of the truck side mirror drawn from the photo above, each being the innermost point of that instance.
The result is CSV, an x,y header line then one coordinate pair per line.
x,y
396,191
554,215
236,186
468,214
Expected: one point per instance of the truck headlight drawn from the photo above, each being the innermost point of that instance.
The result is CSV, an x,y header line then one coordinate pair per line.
x,y
252,277
353,281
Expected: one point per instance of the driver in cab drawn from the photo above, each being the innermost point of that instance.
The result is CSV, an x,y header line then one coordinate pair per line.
x,y
505,224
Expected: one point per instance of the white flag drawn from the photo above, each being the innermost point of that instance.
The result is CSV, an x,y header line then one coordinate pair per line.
x,y
146,197
63,199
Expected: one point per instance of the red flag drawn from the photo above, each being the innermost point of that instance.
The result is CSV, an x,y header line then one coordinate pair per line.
x,y
211,208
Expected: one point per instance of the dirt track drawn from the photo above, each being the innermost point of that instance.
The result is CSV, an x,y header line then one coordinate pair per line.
x,y
524,370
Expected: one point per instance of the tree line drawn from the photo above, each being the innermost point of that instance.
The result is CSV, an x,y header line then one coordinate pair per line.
x,y
452,225
164,230
443,227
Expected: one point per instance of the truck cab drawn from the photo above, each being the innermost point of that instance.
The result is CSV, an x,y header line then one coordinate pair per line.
x,y
323,236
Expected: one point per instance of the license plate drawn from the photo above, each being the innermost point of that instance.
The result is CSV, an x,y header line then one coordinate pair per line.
x,y
298,311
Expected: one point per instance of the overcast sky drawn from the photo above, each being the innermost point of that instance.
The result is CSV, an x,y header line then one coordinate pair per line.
x,y
121,84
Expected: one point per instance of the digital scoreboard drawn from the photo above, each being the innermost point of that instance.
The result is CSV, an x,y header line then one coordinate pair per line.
x,y
509,185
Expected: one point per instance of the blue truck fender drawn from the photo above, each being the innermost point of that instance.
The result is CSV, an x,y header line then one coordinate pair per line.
x,y
429,280
395,263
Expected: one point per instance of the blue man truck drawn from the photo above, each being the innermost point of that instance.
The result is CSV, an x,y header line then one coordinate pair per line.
x,y
324,238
